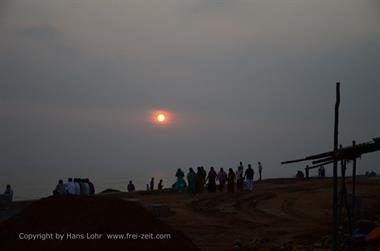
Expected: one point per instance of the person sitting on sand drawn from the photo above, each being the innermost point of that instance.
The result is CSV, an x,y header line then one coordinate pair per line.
x,y
192,180
151,184
300,175
92,187
77,186
86,187
231,181
222,177
7,196
249,174
60,189
160,185
81,185
70,187
211,177
180,184
131,187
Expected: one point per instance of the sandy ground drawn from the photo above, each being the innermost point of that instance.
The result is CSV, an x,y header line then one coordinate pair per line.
x,y
277,211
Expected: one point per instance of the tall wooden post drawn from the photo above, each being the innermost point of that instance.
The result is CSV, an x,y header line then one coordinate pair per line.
x,y
353,209
335,172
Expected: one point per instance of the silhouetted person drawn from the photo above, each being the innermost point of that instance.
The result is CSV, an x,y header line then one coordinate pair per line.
x,y
204,175
249,175
86,187
180,185
7,196
222,177
307,172
91,185
151,184
60,189
131,187
260,170
198,180
192,180
160,185
81,186
240,177
211,177
231,180
70,187
300,175
77,186
323,171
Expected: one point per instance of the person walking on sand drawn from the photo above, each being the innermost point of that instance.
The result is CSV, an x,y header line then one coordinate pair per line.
x,y
249,174
240,177
231,181
192,180
222,177
131,187
160,185
260,170
151,184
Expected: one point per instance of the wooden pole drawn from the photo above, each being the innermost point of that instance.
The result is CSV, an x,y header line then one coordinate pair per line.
x,y
353,186
335,172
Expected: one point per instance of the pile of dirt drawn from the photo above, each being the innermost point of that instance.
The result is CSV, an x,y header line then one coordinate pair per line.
x,y
78,216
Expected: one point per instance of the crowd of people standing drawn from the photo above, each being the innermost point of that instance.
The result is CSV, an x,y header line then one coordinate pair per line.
x,y
198,181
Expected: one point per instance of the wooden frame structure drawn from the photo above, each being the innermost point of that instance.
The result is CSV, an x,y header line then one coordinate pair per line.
x,y
342,155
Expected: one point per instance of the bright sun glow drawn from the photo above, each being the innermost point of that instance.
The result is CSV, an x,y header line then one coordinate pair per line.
x,y
161,117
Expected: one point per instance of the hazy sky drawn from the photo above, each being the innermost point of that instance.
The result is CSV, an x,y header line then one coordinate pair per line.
x,y
245,80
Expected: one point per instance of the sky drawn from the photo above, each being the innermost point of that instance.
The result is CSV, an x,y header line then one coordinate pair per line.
x,y
249,80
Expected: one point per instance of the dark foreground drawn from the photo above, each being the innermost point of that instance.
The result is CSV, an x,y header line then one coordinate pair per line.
x,y
84,223
278,212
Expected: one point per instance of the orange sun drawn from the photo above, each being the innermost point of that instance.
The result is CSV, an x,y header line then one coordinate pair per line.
x,y
161,117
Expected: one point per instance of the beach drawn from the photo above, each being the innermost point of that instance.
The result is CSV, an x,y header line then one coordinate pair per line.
x,y
278,212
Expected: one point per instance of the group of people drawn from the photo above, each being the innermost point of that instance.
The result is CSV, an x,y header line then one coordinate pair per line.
x,y
199,181
150,186
7,196
321,173
74,187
